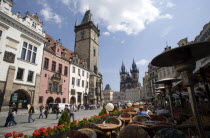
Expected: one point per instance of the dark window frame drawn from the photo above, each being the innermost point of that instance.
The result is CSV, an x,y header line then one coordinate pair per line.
x,y
46,63
17,75
31,77
53,69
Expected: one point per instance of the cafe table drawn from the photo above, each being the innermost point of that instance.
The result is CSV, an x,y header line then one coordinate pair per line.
x,y
108,127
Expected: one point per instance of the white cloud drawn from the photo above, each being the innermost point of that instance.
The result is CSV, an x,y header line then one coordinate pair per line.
x,y
170,4
106,33
120,15
142,62
166,16
122,42
48,13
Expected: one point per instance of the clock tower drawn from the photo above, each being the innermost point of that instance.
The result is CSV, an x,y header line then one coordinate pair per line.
x,y
86,46
86,41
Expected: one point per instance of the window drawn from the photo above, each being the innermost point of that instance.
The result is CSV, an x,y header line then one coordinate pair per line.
x,y
83,73
83,83
0,34
28,52
87,85
78,97
73,81
87,75
46,63
53,66
79,72
94,52
73,69
20,74
30,76
60,88
55,87
40,99
50,87
78,82
34,24
64,100
60,68
66,71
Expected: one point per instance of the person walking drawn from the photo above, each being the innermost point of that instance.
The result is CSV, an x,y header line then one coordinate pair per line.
x,y
41,108
46,112
57,111
30,113
71,112
8,120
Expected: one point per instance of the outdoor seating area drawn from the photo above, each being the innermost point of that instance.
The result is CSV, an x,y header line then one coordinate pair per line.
x,y
127,125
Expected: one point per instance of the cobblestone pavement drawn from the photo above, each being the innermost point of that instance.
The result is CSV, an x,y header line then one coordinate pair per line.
x,y
28,128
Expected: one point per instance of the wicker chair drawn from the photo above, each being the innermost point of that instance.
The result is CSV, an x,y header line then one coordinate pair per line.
x,y
133,131
113,120
77,134
125,115
159,118
89,132
169,133
139,118
98,130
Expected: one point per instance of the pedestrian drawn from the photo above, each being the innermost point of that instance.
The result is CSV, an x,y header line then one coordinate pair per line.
x,y
57,111
46,112
15,108
30,113
71,112
8,117
41,108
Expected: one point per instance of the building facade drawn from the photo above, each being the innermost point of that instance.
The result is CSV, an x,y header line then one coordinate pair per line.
x,y
145,86
21,49
152,79
87,48
119,97
108,94
55,73
78,81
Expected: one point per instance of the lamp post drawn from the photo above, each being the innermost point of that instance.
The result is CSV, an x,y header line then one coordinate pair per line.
x,y
109,107
129,104
184,58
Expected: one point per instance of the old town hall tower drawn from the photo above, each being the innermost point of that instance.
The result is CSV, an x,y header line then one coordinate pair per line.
x,y
86,46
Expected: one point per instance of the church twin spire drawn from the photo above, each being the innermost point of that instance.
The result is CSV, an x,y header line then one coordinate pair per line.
x,y
133,69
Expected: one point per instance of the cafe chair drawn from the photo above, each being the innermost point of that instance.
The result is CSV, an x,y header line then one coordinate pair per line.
x,y
90,133
77,134
139,118
98,130
125,115
133,131
159,118
169,133
113,120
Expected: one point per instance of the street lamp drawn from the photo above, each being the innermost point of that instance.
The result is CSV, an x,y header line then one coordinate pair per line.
x,y
129,104
109,107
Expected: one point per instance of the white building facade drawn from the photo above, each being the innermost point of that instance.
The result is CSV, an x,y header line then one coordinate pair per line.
x,y
78,83
133,94
21,50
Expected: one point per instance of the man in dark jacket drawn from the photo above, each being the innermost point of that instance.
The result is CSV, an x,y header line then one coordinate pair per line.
x,y
30,113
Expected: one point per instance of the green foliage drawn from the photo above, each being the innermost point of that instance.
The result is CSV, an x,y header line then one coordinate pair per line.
x,y
64,118
115,108
103,111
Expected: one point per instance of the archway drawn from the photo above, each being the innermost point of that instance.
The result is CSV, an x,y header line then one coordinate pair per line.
x,y
20,98
49,100
58,100
72,100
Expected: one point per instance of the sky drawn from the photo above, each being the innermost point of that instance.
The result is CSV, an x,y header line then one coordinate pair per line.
x,y
129,29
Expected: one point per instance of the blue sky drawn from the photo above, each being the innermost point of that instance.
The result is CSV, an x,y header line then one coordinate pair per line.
x,y
136,29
